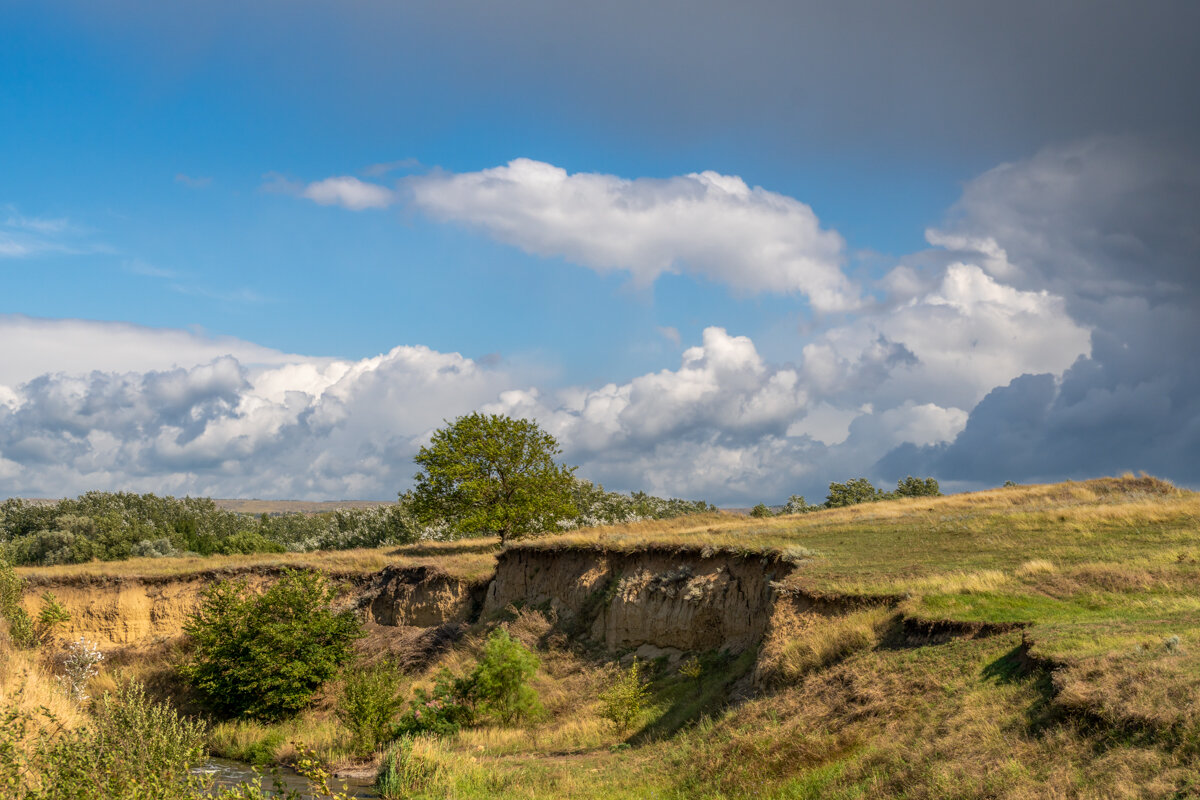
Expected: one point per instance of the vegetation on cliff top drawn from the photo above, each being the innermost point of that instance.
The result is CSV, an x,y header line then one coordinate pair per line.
x,y
120,526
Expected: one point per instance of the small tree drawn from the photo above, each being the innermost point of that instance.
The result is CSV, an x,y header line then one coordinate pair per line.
x,y
623,701
265,656
918,487
852,492
500,681
49,618
796,504
497,686
369,701
760,510
488,473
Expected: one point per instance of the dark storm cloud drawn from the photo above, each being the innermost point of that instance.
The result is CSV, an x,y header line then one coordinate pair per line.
x,y
888,79
1113,226
934,72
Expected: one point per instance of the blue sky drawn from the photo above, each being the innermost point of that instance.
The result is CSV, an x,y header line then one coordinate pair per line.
x,y
158,165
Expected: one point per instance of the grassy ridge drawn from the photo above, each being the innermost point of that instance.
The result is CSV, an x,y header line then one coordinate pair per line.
x,y
1087,686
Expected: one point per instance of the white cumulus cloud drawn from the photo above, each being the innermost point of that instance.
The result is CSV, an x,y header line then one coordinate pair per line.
x,y
704,224
348,192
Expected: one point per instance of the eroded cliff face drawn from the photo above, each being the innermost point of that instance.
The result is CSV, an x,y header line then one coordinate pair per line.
x,y
122,611
423,597
684,601
118,611
650,601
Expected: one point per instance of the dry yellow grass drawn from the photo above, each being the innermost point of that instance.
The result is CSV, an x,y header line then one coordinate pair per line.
x,y
1037,566
27,685
801,643
471,559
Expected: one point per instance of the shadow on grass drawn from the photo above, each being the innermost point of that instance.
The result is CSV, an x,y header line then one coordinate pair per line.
x,y
1017,667
689,700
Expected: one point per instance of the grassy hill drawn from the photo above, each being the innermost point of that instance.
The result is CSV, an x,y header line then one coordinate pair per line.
x,y
1025,642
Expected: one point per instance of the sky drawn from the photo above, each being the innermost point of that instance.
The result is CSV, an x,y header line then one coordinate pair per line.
x,y
724,251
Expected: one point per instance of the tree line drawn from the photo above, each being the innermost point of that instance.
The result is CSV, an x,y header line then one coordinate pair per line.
x,y
112,526
853,492
480,475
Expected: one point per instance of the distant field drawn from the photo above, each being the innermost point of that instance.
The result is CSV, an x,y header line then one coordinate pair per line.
x,y
296,506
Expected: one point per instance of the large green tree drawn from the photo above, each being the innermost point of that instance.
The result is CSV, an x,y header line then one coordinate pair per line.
x,y
492,474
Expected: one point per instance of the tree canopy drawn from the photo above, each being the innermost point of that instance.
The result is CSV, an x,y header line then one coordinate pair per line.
x,y
492,474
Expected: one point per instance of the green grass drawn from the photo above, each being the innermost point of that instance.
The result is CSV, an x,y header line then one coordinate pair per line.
x,y
964,719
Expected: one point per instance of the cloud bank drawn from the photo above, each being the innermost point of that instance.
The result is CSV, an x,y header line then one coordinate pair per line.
x,y
725,425
1046,333
1112,226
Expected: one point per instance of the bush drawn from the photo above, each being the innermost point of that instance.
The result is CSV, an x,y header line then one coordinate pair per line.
x,y
22,629
79,668
369,701
20,625
159,548
132,748
500,680
496,687
625,700
918,487
49,618
596,506
760,510
442,711
796,504
852,492
266,656
246,542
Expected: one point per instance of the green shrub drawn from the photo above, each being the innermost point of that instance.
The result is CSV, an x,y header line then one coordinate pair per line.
x,y
498,687
22,629
501,679
131,749
852,492
441,711
265,656
49,618
246,542
625,700
760,510
369,702
918,487
20,624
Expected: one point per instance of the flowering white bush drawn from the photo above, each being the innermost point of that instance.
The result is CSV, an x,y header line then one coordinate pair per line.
x,y
599,507
80,667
